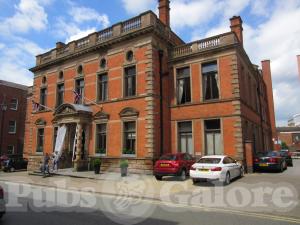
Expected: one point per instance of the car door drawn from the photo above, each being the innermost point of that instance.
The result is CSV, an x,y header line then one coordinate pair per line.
x,y
231,166
236,166
189,160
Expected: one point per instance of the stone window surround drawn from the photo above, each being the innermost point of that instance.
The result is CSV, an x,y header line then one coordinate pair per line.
x,y
190,64
97,122
177,134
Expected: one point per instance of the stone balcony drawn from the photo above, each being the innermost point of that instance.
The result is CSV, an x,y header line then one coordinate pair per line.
x,y
106,36
199,46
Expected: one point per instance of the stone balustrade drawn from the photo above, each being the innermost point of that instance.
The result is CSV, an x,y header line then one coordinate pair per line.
x,y
204,44
140,22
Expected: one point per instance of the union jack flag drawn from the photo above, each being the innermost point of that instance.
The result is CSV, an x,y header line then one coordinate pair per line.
x,y
35,106
77,97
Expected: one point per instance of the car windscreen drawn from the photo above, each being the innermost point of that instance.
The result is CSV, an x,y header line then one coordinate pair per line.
x,y
284,153
168,157
209,160
271,154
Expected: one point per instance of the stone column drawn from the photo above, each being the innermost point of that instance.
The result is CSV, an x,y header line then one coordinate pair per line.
x,y
78,147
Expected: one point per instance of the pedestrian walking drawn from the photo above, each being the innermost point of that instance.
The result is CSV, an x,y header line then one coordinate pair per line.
x,y
45,166
55,161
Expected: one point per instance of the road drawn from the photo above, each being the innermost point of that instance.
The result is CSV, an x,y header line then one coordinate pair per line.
x,y
45,205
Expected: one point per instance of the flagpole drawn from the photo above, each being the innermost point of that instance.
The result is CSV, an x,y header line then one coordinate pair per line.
x,y
94,102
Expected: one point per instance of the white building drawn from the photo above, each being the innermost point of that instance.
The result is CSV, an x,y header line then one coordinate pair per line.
x,y
294,121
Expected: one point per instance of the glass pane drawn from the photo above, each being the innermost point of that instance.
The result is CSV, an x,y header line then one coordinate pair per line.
x,y
215,88
183,144
190,144
212,124
210,144
218,144
209,67
183,72
207,87
185,126
209,160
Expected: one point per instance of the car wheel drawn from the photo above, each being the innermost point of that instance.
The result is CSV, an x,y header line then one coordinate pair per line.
x,y
158,178
227,179
183,175
281,168
12,169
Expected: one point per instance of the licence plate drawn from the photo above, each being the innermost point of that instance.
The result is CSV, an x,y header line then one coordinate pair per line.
x,y
164,165
203,170
263,164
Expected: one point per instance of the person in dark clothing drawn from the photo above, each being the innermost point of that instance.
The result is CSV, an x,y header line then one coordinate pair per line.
x,y
45,166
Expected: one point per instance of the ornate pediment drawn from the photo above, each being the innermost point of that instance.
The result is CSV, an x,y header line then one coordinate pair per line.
x,y
101,116
129,112
40,122
65,109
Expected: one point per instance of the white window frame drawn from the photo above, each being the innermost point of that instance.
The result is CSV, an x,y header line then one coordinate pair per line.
x,y
17,104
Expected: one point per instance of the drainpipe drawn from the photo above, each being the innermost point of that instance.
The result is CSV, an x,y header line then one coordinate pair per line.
x,y
161,53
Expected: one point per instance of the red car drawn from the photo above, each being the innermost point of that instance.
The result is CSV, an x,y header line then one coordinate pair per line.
x,y
177,164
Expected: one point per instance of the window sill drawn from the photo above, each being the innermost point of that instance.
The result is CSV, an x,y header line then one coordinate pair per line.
x,y
184,104
100,155
130,97
211,100
128,156
12,132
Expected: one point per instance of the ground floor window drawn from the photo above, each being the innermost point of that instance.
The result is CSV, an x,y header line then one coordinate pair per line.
x,y
101,139
129,138
213,138
10,149
185,137
40,140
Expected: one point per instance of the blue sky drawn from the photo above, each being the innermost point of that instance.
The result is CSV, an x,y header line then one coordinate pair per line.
x,y
271,31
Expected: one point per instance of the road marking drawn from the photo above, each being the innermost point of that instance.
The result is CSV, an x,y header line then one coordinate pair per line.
x,y
171,204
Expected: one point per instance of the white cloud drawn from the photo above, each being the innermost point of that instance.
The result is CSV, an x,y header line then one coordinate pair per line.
x,y
233,7
16,60
84,14
276,38
138,6
260,7
80,34
30,14
75,26
192,13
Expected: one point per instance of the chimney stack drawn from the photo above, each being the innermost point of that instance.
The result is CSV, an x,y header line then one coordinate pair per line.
x,y
236,26
164,11
266,71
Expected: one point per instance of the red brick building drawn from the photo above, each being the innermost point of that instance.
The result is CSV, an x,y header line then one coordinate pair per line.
x,y
154,94
291,136
12,117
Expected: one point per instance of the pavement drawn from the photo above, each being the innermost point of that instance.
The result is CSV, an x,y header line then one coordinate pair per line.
x,y
256,197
